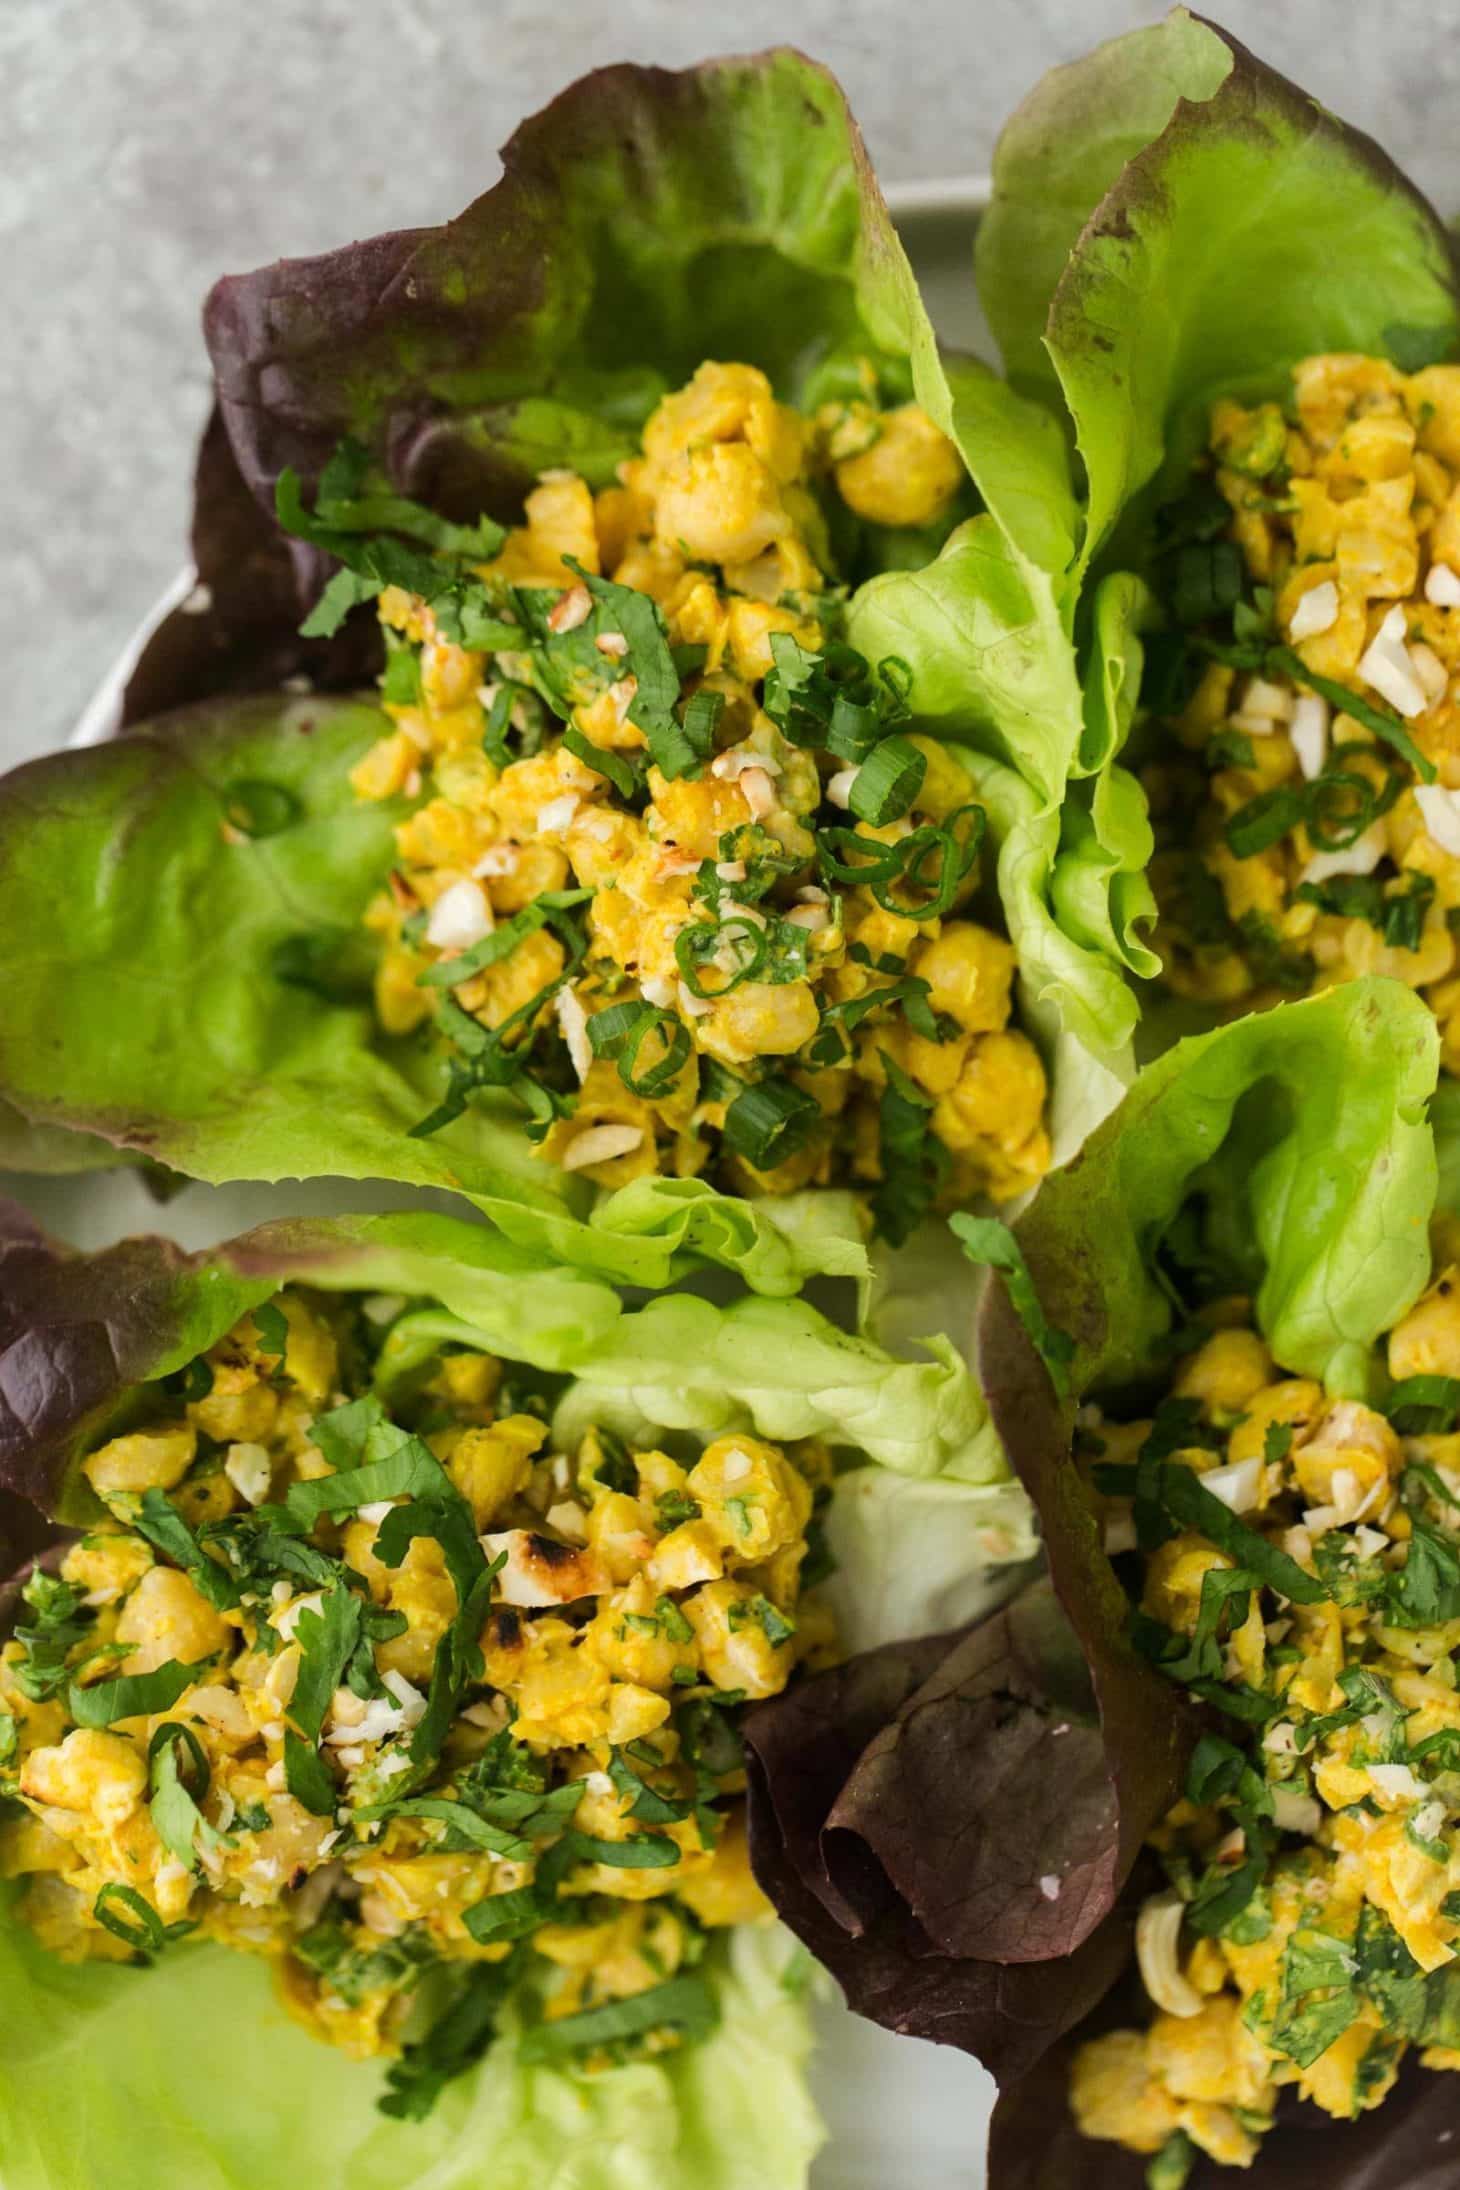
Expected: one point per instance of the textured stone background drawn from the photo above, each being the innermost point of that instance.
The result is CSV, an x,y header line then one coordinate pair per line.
x,y
151,144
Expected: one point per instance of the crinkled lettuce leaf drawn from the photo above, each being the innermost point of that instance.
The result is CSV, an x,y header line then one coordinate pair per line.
x,y
781,1369
1173,221
1299,1140
180,990
1287,1155
921,1555
984,630
80,1333
191,2076
645,221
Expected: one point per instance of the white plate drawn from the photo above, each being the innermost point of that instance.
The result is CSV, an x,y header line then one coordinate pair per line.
x,y
901,2114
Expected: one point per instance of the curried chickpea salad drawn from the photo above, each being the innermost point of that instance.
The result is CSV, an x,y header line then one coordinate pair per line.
x,y
1299,1563
433,1716
677,876
1308,808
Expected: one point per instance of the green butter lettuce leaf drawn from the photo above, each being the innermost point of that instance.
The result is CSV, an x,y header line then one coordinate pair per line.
x,y
1299,1139
782,1370
190,993
921,1555
1193,224
191,2076
980,628
1172,222
983,630
1057,155
80,1333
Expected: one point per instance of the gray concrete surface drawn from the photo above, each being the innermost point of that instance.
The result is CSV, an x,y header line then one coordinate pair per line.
x,y
147,145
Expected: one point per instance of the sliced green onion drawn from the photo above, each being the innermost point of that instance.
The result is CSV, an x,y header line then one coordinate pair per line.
x,y
770,1121
887,782
1206,580
145,1931
684,2003
621,1032
879,863
1264,821
853,731
608,1029
1341,805
656,1079
698,943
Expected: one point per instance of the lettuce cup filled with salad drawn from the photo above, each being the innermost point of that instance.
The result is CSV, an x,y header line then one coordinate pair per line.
x,y
614,763
1279,471
372,1691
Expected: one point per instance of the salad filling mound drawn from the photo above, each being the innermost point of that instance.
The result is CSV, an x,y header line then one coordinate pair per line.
x,y
436,1718
1299,1573
679,877
1319,743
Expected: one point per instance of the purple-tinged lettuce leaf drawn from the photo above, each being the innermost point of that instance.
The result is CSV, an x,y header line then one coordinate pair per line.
x,y
80,1333
933,1818
1036,1880
1145,1730
853,1904
645,220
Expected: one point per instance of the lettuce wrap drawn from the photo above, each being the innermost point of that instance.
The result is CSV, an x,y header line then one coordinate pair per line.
x,y
1185,252
536,332
84,1341
891,1799
1173,221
